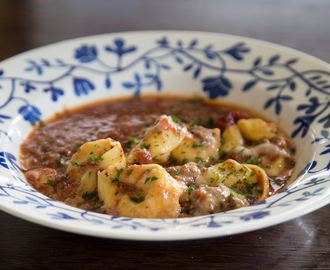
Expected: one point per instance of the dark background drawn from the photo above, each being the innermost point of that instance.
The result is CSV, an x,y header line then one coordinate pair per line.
x,y
303,243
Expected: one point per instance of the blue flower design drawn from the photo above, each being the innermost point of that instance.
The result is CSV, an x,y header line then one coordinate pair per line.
x,y
55,92
217,86
82,86
30,113
119,48
86,54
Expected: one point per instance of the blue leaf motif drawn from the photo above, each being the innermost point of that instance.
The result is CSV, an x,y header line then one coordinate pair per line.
x,y
267,72
293,86
196,73
269,102
61,62
31,199
325,133
226,82
213,224
278,107
45,62
8,160
1,72
249,85
95,221
317,192
210,55
325,119
82,86
3,161
193,43
179,60
159,85
2,116
128,85
86,54
20,202
256,215
326,151
116,227
257,61
107,82
285,97
165,66
273,59
291,61
30,113
273,87
61,216
147,63
187,67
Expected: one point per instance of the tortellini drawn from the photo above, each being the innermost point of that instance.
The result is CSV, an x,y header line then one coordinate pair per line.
x,y
200,144
158,142
92,157
231,138
256,129
249,180
144,191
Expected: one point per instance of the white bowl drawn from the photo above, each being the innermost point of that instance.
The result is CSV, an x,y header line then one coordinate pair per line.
x,y
286,86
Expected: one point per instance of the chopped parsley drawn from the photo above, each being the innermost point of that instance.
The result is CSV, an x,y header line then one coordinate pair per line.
x,y
58,160
129,172
145,146
50,182
191,188
184,161
77,164
137,199
87,195
154,178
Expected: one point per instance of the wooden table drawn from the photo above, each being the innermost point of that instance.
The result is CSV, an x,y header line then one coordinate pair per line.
x,y
302,243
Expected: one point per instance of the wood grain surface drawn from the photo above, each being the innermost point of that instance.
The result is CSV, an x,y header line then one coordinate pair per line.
x,y
302,243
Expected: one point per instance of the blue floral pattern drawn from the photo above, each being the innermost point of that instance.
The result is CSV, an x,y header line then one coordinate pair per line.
x,y
94,66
